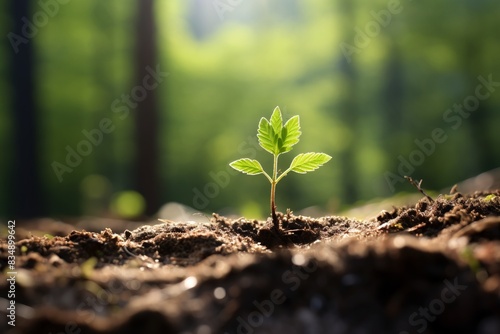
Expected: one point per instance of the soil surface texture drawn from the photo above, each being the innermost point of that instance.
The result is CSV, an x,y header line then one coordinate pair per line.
x,y
433,267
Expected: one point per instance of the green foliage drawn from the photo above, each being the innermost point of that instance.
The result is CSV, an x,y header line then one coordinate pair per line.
x,y
308,162
248,166
276,138
366,110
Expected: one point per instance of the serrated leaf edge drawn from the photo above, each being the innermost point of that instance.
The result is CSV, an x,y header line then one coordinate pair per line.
x,y
250,163
295,163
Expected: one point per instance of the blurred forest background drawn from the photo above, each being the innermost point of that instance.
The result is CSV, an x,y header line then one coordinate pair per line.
x,y
92,124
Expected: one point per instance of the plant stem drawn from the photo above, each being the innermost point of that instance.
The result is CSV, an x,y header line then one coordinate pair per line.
x,y
273,191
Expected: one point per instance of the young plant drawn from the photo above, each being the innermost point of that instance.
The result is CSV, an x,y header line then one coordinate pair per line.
x,y
276,138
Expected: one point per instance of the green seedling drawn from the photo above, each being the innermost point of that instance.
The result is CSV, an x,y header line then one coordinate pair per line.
x,y
276,138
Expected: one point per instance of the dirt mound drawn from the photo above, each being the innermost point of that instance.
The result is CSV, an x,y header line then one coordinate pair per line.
x,y
430,268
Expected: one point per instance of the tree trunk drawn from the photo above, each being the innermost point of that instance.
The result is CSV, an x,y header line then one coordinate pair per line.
x,y
146,118
25,183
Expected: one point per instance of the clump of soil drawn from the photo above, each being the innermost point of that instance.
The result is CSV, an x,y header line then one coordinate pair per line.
x,y
448,212
430,268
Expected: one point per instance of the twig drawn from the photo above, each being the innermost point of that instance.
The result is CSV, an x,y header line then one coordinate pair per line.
x,y
418,186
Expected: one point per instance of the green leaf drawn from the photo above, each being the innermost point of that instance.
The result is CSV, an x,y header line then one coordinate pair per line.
x,y
247,166
307,162
276,138
267,136
290,133
276,120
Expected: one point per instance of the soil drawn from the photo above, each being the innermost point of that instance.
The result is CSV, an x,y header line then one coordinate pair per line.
x,y
432,267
